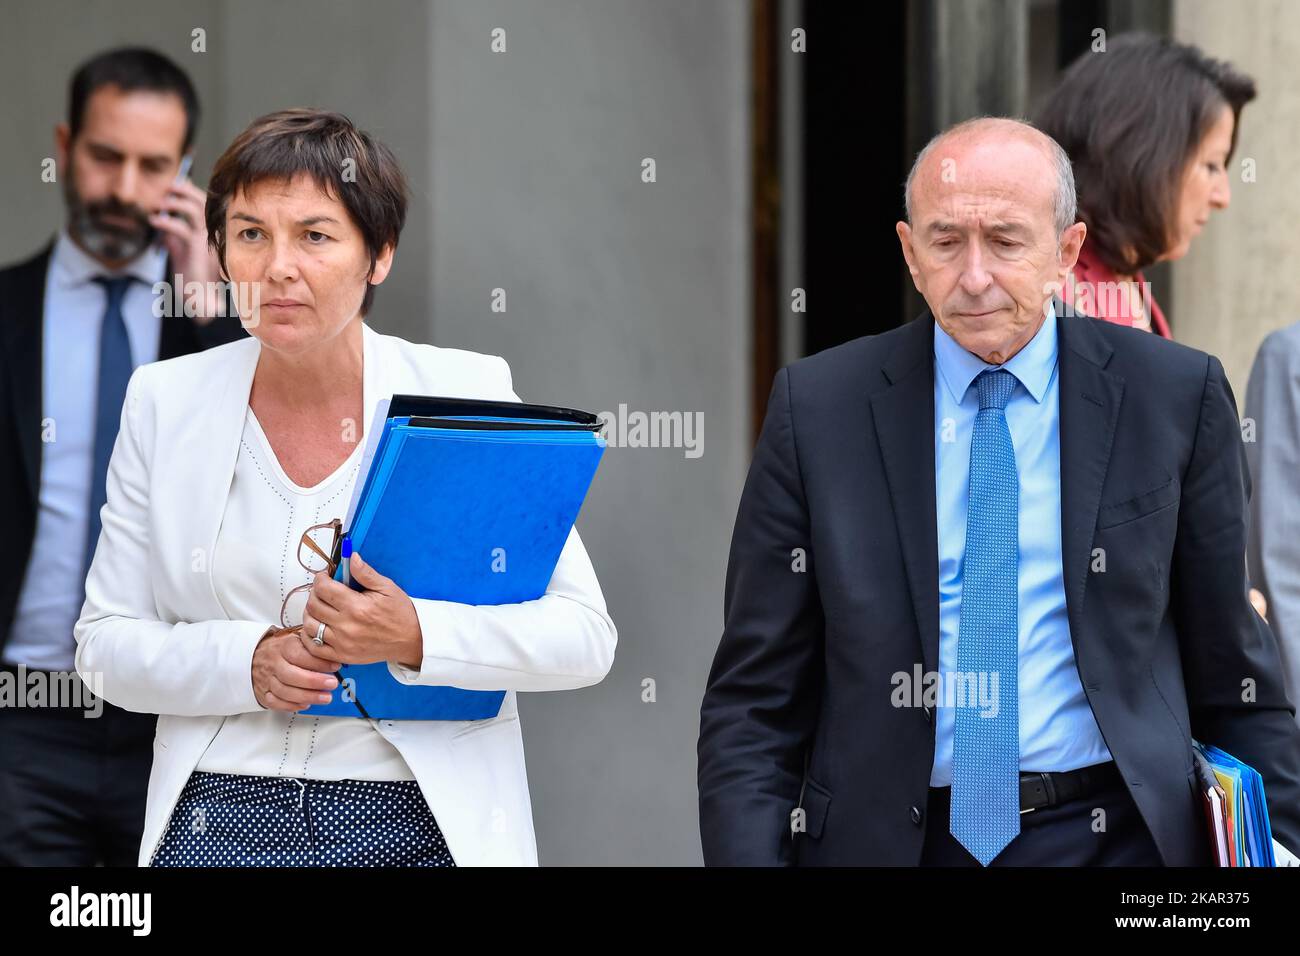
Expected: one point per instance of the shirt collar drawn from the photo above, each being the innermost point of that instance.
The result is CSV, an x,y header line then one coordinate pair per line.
x,y
1032,365
73,266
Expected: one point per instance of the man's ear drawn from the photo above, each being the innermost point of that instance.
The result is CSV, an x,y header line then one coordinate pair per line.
x,y
1071,243
62,144
909,253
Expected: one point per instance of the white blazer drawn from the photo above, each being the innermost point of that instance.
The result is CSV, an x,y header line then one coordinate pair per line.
x,y
153,631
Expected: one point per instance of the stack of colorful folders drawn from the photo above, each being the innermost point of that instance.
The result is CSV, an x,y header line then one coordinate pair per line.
x,y
464,501
1235,810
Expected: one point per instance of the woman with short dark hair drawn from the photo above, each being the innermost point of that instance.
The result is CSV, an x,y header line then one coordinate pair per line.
x,y
229,470
1150,125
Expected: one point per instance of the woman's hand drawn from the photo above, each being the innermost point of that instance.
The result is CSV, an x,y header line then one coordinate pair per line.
x,y
287,677
377,624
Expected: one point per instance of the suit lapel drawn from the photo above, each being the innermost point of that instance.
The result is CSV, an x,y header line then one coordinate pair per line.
x,y
214,421
21,333
177,336
217,423
1089,409
904,417
21,341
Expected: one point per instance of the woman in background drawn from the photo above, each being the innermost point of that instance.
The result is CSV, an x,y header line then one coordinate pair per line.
x,y
1150,126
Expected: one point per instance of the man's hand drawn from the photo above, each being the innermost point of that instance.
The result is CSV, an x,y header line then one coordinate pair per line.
x,y
286,676
186,239
1258,602
377,624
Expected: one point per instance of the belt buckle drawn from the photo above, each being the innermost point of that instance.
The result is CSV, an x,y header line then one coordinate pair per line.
x,y
1048,789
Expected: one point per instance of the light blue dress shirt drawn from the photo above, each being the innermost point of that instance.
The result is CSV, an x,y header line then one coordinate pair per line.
x,y
1057,728
52,592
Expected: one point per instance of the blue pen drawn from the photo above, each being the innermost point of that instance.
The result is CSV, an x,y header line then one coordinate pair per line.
x,y
346,559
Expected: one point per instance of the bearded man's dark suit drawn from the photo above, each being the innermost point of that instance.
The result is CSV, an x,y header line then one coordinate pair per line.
x,y
94,772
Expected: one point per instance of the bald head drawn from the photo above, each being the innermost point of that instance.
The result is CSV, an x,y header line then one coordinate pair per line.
x,y
990,232
1001,142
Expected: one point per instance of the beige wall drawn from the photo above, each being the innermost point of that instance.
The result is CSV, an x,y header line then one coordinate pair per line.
x,y
1239,281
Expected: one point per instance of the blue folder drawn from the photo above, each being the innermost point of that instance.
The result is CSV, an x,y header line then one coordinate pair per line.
x,y
1253,833
463,501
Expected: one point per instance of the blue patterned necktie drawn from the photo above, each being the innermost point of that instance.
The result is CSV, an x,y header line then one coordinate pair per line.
x,y
115,369
985,814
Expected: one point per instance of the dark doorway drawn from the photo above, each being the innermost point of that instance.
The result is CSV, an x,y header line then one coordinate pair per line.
x,y
854,111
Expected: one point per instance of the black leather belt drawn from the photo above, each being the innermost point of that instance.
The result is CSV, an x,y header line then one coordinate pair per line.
x,y
1041,790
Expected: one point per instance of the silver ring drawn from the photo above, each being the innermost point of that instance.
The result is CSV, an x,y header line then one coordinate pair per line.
x,y
320,634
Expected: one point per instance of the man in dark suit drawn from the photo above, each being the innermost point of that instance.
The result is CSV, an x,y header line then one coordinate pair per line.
x,y
987,581
75,320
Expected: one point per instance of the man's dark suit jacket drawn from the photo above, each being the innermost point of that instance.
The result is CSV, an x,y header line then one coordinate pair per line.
x,y
1167,645
22,312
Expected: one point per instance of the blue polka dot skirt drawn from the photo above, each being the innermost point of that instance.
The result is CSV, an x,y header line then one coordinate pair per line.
x,y
224,819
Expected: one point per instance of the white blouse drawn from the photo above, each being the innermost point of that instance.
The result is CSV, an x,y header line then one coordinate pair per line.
x,y
254,566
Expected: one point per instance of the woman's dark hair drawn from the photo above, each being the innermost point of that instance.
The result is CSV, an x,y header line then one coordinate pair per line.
x,y
1130,119
347,163
131,69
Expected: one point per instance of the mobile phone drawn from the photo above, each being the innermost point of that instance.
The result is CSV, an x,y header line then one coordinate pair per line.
x,y
182,171
186,162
